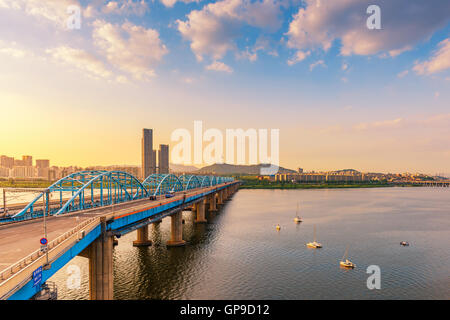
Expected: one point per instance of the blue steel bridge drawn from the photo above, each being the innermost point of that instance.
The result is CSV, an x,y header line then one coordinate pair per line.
x,y
85,212
96,188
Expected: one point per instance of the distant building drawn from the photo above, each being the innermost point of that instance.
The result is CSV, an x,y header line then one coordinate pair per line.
x,y
23,172
6,162
148,154
4,172
27,161
42,163
163,158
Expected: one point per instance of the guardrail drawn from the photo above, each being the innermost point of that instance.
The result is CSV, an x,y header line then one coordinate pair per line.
x,y
23,263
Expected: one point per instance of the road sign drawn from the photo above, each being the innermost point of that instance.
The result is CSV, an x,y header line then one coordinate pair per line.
x,y
43,241
37,276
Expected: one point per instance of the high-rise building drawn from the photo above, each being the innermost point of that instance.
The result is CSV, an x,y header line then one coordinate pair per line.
x,y
163,158
148,155
27,161
42,163
6,162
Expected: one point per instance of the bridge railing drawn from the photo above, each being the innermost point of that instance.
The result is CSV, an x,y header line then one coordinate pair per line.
x,y
23,263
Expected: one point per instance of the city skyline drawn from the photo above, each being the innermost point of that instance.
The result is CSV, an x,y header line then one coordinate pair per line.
x,y
376,100
139,166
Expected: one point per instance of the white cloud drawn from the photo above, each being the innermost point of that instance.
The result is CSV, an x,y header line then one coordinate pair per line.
x,y
81,60
439,61
299,56
219,66
404,23
12,50
316,64
54,11
126,7
402,74
379,124
213,29
171,3
130,48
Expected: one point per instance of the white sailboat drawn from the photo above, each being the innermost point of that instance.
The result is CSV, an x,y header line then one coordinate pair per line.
x,y
314,244
297,219
346,263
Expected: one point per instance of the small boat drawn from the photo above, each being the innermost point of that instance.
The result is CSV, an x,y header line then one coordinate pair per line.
x,y
297,219
404,243
346,263
314,244
278,227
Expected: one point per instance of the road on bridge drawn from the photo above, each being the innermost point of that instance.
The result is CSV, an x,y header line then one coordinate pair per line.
x,y
20,239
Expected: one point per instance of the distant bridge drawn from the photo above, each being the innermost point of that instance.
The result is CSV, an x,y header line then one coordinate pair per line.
x,y
431,183
102,205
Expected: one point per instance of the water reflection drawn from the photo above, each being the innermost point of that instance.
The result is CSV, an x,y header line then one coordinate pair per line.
x,y
240,255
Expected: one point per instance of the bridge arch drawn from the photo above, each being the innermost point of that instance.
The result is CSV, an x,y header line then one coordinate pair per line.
x,y
190,182
120,186
158,184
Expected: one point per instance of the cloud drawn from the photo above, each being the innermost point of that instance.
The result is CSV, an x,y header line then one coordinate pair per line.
x,y
402,74
54,11
171,3
213,29
299,56
219,66
126,7
81,60
438,62
403,22
12,50
379,124
130,48
316,64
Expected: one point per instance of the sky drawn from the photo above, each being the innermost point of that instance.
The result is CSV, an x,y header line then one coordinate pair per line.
x,y
341,94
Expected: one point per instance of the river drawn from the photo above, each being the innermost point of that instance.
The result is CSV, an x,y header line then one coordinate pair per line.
x,y
240,255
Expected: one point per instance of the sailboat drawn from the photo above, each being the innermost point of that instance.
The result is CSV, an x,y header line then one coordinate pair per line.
x,y
297,219
346,263
314,244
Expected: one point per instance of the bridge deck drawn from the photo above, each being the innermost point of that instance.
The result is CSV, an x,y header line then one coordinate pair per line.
x,y
20,239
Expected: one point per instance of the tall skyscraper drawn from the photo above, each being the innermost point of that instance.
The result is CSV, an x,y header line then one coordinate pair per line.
x,y
148,154
153,163
163,158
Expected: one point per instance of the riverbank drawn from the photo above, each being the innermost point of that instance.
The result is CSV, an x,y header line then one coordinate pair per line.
x,y
255,184
24,184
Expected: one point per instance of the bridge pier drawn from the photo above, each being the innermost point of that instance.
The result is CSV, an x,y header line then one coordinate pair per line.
x,y
100,255
176,231
220,197
200,209
212,202
142,238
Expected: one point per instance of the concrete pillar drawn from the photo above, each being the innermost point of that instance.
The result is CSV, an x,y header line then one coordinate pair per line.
x,y
176,232
212,202
142,238
200,212
100,254
220,197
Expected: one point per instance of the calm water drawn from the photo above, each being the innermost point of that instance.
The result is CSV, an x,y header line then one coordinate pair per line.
x,y
240,255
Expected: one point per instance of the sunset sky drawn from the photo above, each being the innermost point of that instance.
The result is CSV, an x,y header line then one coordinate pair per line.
x,y
343,96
